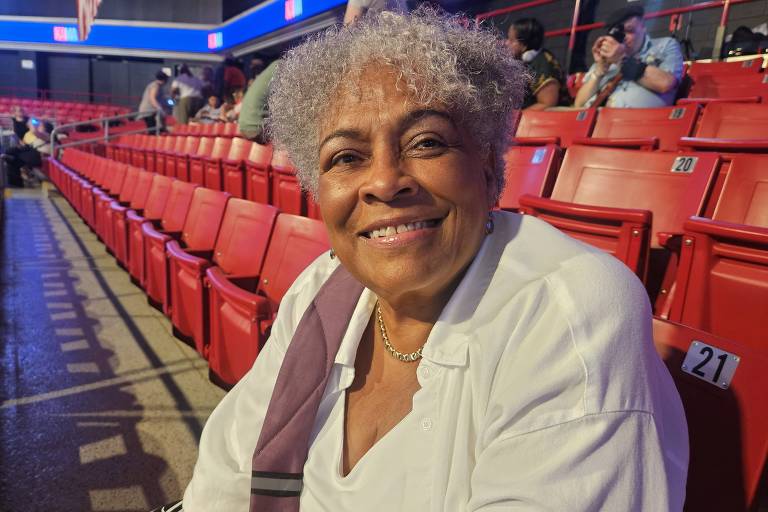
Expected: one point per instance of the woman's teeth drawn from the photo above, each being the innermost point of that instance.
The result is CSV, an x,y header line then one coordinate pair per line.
x,y
401,228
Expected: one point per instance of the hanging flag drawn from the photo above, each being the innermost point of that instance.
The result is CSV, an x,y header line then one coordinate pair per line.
x,y
86,14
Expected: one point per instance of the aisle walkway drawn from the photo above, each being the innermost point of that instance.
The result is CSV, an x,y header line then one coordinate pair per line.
x,y
100,406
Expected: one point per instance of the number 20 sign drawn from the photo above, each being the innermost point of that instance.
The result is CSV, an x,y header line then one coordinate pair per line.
x,y
710,364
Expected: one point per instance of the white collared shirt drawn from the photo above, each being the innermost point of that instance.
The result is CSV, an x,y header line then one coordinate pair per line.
x,y
540,390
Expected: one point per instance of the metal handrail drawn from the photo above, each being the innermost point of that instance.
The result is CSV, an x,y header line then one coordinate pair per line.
x,y
104,121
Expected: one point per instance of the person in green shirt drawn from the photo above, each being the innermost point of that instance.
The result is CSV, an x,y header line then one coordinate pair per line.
x,y
253,112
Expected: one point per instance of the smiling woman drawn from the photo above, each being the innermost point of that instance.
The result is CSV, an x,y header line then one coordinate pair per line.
x,y
448,356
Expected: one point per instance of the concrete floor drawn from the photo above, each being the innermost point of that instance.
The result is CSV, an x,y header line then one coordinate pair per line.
x,y
101,408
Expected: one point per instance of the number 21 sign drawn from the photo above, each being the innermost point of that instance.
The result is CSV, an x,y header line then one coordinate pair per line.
x,y
710,364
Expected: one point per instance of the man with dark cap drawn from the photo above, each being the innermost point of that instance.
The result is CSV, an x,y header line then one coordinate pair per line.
x,y
631,69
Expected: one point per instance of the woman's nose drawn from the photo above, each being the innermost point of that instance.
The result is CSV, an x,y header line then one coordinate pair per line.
x,y
387,179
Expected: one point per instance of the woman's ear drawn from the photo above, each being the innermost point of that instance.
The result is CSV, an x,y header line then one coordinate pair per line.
x,y
489,173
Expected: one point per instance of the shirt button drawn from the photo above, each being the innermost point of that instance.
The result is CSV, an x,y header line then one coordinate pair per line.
x,y
426,424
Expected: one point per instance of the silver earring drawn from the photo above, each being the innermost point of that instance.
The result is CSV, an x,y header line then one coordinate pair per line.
x,y
489,224
332,254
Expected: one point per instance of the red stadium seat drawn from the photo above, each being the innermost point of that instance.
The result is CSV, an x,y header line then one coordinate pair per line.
x,y
731,68
163,192
152,156
102,196
642,128
286,192
194,161
239,252
606,197
137,203
728,426
124,196
723,276
242,309
529,170
731,127
559,127
164,156
232,167
258,176
743,88
210,164
313,209
200,217
177,163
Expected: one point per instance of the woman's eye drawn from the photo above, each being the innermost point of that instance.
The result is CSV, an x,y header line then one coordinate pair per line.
x,y
343,159
428,144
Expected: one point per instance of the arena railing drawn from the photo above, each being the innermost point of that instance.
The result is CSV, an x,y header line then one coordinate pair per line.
x,y
105,135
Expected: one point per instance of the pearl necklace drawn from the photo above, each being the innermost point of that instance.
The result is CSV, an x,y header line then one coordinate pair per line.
x,y
406,358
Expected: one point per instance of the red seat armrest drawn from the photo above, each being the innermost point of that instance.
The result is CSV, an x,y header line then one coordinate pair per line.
x,y
712,144
196,261
255,305
600,212
722,229
670,241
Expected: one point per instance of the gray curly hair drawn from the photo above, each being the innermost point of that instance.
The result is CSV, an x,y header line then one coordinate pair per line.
x,y
438,57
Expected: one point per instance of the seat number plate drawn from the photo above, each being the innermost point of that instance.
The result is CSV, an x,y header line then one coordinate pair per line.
x,y
710,364
684,164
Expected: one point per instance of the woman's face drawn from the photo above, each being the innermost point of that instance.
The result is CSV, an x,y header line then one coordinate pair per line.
x,y
404,190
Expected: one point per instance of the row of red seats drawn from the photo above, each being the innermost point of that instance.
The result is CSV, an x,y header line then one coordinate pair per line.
x,y
60,111
237,166
718,126
216,265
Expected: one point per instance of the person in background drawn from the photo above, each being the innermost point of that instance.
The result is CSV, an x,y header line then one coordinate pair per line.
x,y
210,113
445,356
207,79
19,120
230,112
233,78
28,154
253,112
153,101
547,87
358,8
631,69
189,89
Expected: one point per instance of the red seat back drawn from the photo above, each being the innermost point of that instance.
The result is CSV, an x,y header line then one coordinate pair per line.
x,y
286,192
559,125
296,241
728,428
158,196
220,147
667,123
744,198
241,244
529,170
723,69
203,218
190,145
141,191
239,149
728,86
672,186
734,121
177,207
258,186
129,184
204,146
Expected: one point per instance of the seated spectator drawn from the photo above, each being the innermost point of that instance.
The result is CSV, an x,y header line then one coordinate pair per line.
x,y
230,112
547,87
210,113
254,106
190,94
631,69
28,154
19,122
